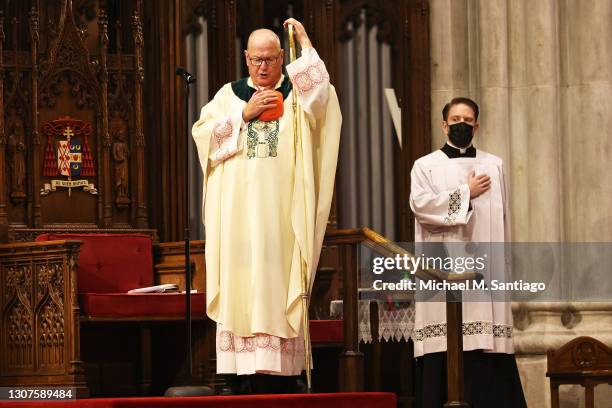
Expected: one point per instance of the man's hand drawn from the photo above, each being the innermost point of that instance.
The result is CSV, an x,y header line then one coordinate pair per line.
x,y
300,32
478,184
259,102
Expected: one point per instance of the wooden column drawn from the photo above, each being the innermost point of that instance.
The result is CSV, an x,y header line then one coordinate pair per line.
x,y
107,196
554,394
164,25
3,195
320,22
35,152
414,100
73,337
164,127
141,206
589,394
351,359
454,357
221,43
376,346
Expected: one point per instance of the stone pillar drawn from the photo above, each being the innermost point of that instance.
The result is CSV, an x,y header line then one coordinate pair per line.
x,y
585,72
492,86
449,58
535,152
541,72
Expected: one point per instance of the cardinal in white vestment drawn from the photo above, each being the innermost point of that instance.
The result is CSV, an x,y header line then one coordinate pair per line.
x,y
459,194
267,198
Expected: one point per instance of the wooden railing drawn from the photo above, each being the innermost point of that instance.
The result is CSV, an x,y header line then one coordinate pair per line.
x,y
351,366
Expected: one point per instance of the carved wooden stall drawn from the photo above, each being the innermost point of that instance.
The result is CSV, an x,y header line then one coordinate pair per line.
x,y
72,159
72,141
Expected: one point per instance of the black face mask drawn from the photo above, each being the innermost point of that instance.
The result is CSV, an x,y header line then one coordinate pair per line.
x,y
461,134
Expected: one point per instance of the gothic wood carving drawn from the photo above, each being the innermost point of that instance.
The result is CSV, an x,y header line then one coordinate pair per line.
x,y
17,159
121,155
67,64
3,209
39,313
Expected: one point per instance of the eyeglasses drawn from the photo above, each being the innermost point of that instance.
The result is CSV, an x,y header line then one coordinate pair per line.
x,y
269,61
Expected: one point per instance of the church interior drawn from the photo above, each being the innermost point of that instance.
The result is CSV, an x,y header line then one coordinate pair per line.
x,y
96,79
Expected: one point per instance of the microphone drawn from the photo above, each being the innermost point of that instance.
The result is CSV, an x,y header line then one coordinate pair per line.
x,y
186,75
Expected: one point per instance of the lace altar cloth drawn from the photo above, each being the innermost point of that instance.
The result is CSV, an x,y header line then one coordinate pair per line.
x,y
395,322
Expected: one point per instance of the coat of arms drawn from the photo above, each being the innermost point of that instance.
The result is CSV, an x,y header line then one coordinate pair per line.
x,y
68,154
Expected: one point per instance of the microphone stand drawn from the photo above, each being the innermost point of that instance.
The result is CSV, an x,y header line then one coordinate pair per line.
x,y
187,390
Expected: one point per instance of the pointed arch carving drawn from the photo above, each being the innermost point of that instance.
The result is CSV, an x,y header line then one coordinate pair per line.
x,y
71,61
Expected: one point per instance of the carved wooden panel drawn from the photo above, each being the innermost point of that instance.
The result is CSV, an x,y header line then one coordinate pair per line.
x,y
82,59
580,357
39,312
30,234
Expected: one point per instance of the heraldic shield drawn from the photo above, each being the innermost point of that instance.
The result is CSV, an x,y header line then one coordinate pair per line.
x,y
67,154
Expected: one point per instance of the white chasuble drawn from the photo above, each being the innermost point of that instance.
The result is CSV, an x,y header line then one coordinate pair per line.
x,y
440,201
266,206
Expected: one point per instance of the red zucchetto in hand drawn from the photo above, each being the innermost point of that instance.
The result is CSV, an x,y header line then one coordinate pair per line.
x,y
273,113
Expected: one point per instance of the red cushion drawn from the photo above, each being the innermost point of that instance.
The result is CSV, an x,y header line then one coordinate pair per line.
x,y
326,331
111,263
118,305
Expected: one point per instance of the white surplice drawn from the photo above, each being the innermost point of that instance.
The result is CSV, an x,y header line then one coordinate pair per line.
x,y
266,205
440,200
